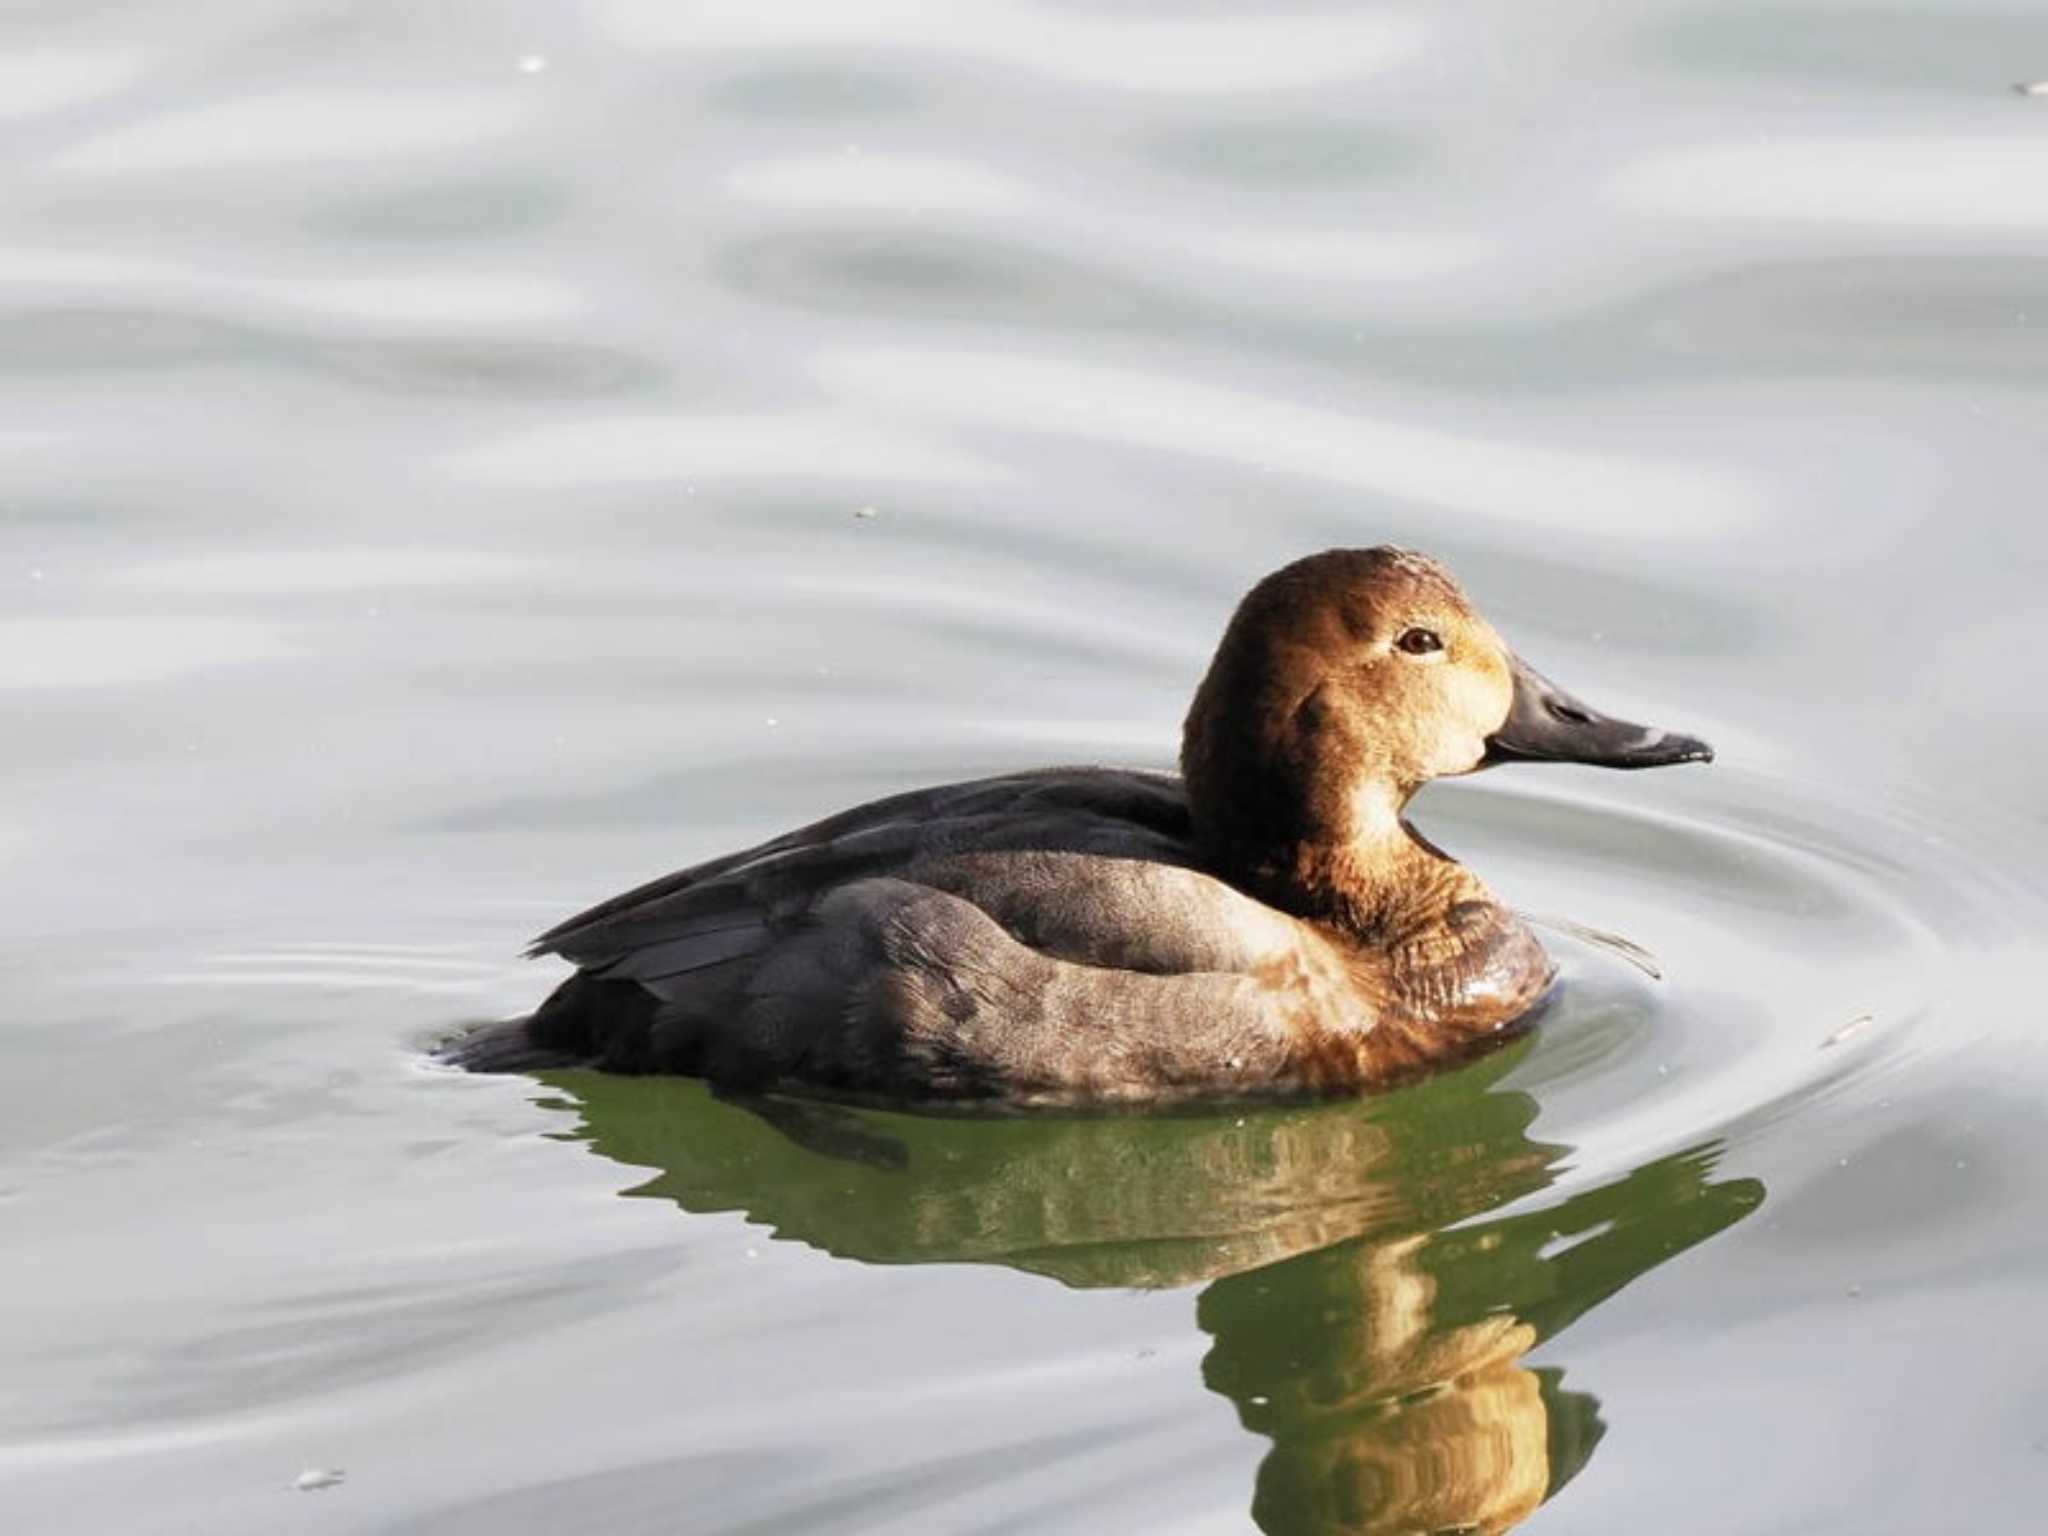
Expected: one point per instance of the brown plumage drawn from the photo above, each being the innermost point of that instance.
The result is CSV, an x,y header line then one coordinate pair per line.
x,y
1268,923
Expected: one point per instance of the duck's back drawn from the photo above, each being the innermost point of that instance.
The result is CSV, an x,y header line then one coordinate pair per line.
x,y
1037,934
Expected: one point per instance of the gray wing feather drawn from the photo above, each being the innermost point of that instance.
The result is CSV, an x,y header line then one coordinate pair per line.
x,y
701,945
730,907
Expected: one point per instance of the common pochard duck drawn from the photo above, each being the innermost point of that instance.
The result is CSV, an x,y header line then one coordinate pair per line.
x,y
1267,922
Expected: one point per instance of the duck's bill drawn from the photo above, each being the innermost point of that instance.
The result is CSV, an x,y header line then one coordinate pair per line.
x,y
1547,725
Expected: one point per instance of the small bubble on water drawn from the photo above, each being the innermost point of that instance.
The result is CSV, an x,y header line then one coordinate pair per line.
x,y
753,1253
532,63
315,1478
37,574
1841,1162
772,722
1962,1162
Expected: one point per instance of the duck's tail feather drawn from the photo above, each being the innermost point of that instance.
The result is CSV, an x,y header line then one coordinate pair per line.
x,y
506,1046
586,1020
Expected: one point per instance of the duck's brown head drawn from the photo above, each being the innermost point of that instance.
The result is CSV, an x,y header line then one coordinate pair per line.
x,y
1345,682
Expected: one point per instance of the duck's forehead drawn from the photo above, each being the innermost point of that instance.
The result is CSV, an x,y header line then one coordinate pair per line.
x,y
1403,576
1359,591
1413,564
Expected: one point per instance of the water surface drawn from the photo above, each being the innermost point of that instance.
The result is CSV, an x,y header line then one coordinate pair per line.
x,y
456,461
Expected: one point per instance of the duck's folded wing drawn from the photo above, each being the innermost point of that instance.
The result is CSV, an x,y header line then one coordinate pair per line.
x,y
719,914
1115,911
734,906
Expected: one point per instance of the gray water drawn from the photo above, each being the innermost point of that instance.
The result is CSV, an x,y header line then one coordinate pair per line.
x,y
456,460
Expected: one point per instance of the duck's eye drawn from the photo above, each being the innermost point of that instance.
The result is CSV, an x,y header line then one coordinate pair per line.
x,y
1419,642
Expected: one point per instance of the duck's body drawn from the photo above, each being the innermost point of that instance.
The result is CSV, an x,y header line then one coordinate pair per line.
x,y
1041,935
1269,924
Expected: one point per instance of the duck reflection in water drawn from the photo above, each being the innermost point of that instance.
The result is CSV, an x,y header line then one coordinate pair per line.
x,y
1363,1319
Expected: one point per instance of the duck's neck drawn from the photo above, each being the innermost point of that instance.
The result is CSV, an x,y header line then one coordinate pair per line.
x,y
1447,960
1350,861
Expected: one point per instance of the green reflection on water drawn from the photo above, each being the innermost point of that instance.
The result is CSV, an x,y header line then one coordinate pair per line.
x,y
1367,1318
